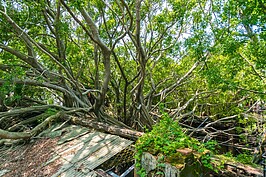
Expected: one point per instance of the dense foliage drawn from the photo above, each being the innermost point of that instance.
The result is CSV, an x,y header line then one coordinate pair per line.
x,y
118,61
164,141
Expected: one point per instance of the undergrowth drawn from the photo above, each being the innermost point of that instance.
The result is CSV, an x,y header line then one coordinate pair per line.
x,y
166,137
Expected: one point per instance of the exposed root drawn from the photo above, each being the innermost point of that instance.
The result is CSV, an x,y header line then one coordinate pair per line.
x,y
26,135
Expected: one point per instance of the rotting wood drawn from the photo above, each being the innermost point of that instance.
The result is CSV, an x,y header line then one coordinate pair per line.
x,y
112,129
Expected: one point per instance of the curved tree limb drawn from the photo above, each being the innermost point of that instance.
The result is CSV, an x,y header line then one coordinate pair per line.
x,y
106,55
14,135
23,57
47,85
26,135
29,41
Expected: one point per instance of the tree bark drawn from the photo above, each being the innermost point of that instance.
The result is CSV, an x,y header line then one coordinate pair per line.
x,y
123,132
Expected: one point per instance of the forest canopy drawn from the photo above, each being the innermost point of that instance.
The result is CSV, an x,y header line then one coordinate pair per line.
x,y
125,62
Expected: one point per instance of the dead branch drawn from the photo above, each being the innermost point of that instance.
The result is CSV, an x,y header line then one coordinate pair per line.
x,y
220,120
112,129
48,85
17,112
28,121
26,135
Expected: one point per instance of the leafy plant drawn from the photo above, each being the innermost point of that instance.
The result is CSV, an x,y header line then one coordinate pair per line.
x,y
244,158
166,137
51,111
48,112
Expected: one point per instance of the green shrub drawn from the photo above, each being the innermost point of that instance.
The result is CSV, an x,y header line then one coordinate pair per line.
x,y
166,137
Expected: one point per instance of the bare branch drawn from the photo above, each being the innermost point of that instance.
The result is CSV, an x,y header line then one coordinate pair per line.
x,y
253,67
47,85
137,33
220,120
95,32
25,58
26,135
29,41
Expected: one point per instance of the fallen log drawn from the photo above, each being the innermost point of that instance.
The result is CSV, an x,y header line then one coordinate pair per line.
x,y
112,129
14,135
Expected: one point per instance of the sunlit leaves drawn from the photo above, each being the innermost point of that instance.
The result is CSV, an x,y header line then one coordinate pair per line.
x,y
173,34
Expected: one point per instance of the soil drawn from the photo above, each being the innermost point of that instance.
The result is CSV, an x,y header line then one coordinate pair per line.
x,y
29,159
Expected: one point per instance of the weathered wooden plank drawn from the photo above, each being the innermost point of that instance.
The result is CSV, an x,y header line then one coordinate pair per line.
x,y
99,156
106,152
76,172
75,157
89,139
74,133
82,154
90,148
